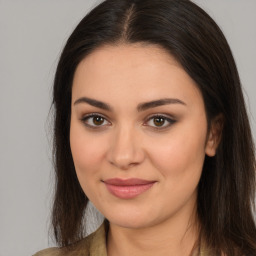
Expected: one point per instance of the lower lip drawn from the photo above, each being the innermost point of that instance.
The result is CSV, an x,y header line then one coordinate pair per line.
x,y
128,192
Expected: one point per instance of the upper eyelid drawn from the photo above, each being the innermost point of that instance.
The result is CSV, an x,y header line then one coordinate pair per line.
x,y
147,118
94,114
161,115
167,118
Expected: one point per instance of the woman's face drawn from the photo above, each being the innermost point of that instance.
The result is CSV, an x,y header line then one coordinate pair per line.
x,y
138,135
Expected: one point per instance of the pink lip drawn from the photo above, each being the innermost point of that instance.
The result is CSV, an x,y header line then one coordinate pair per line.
x,y
128,188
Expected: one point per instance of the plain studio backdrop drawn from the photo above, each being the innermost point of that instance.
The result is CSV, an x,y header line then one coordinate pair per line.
x,y
32,35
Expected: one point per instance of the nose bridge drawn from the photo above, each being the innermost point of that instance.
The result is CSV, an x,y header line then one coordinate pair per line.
x,y
125,150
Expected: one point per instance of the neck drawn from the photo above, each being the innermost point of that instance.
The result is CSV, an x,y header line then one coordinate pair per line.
x,y
170,238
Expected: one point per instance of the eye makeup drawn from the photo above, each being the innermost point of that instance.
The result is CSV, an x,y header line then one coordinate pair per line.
x,y
155,121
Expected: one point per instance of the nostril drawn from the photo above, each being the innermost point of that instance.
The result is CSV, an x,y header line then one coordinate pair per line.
x,y
122,164
124,151
125,162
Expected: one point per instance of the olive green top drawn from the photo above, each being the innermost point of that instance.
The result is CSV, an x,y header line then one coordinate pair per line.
x,y
92,245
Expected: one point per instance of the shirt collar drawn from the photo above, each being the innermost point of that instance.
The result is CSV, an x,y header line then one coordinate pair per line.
x,y
99,242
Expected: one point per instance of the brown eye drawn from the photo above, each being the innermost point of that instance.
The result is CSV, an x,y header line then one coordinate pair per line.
x,y
95,121
98,120
159,121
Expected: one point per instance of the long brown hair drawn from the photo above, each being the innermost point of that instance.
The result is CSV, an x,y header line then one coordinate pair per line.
x,y
226,189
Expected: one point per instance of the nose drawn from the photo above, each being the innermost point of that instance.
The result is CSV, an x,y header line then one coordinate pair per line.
x,y
125,148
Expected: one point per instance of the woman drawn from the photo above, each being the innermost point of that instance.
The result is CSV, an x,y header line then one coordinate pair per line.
x,y
151,127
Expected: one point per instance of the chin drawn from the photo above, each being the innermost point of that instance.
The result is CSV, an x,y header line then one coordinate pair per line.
x,y
129,219
131,223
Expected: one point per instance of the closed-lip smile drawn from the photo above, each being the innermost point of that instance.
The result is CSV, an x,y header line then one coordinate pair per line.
x,y
128,188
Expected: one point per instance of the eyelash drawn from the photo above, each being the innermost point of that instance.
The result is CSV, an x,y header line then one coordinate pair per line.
x,y
169,121
85,119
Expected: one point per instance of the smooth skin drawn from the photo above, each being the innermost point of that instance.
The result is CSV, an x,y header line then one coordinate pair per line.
x,y
114,134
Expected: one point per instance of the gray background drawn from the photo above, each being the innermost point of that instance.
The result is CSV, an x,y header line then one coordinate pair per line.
x,y
32,34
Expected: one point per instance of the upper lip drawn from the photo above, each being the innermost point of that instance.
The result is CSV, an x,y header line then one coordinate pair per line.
x,y
127,182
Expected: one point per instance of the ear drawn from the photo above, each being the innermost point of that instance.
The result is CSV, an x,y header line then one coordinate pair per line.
x,y
214,135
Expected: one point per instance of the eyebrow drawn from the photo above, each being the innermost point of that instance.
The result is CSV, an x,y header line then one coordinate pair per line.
x,y
94,103
141,107
156,103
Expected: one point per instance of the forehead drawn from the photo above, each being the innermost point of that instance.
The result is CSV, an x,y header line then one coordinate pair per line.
x,y
135,71
128,56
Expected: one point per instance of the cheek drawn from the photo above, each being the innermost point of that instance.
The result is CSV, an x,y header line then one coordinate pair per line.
x,y
180,155
179,160
87,152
